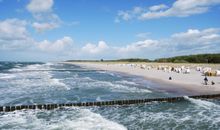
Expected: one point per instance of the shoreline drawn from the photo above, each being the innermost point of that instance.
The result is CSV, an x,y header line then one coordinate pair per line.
x,y
190,84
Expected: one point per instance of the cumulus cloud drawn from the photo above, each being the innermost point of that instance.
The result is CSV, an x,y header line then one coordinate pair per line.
x,y
189,42
13,34
43,14
180,8
13,29
102,50
56,46
95,49
39,6
195,39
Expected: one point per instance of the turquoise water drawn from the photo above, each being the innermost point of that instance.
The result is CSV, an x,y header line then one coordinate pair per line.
x,y
37,83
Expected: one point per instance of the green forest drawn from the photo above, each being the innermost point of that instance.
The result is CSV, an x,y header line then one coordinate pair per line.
x,y
199,58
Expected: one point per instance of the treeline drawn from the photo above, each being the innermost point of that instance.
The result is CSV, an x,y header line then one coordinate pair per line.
x,y
199,58
119,60
131,60
83,61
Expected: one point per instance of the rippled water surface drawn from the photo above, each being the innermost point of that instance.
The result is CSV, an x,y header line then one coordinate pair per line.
x,y
33,83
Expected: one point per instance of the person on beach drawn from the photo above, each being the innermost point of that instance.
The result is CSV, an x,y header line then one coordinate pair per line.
x,y
170,78
206,80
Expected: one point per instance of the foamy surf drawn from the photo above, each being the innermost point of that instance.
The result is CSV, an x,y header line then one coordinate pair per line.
x,y
68,119
7,76
56,82
126,82
15,70
119,87
36,78
72,84
109,73
202,103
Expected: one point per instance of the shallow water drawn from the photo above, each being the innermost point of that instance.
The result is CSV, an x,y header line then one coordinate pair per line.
x,y
33,83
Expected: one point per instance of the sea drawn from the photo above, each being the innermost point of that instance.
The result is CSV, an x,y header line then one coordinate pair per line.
x,y
26,83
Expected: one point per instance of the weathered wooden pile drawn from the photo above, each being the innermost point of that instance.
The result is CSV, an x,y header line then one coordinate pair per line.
x,y
103,103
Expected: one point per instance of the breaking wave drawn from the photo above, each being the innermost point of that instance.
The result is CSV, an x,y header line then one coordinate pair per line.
x,y
202,103
7,76
83,119
114,87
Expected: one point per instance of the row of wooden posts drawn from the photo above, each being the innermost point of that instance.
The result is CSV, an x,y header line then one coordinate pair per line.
x,y
103,103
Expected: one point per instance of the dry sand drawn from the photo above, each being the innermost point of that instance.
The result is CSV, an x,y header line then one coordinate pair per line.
x,y
193,82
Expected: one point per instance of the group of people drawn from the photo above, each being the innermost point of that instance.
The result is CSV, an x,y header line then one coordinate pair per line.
x,y
205,80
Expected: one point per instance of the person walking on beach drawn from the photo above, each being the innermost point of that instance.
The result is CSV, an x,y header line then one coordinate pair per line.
x,y
206,80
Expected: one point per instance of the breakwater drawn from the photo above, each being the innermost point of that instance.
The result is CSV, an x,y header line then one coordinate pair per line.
x,y
103,103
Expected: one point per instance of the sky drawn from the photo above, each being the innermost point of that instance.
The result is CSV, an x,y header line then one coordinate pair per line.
x,y
57,30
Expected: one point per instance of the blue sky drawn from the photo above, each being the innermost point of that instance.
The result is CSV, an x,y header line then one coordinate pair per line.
x,y
51,30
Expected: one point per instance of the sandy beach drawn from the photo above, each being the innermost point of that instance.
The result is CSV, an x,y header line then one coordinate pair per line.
x,y
192,82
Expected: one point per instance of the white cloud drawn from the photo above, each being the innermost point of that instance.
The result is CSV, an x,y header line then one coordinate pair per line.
x,y
95,49
43,14
195,39
40,6
13,29
158,7
56,46
102,50
190,42
128,15
137,46
14,35
180,8
41,27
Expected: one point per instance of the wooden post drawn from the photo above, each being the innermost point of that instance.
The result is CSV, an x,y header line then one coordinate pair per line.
x,y
1,109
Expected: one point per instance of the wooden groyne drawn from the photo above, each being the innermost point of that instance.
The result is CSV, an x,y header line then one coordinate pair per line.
x,y
103,103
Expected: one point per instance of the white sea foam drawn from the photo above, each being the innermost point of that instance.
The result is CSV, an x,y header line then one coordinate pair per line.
x,y
7,76
107,72
87,78
119,87
34,67
46,66
49,63
56,82
98,98
164,116
37,78
126,82
29,67
15,70
202,103
75,118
